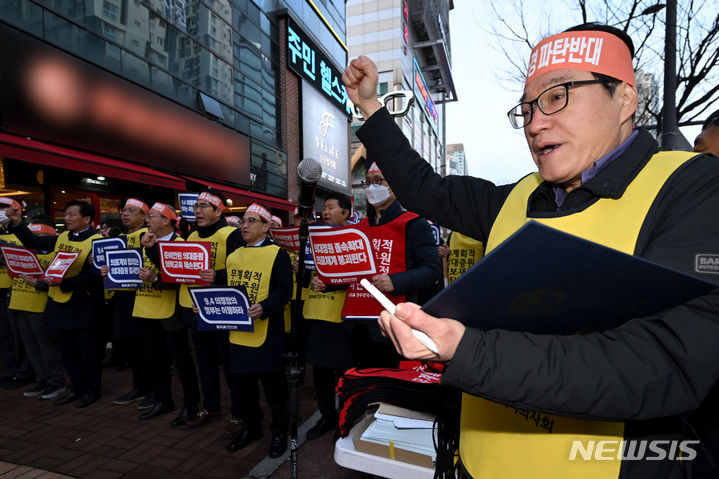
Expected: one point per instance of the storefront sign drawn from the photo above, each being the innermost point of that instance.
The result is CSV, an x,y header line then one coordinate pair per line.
x,y
182,262
99,246
324,135
187,205
124,268
308,61
342,255
222,309
59,266
20,261
421,92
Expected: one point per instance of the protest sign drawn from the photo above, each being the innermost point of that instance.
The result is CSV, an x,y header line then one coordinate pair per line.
x,y
181,262
20,260
222,309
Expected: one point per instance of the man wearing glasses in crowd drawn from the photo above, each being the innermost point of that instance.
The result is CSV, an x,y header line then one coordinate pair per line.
x,y
652,378
407,261
212,347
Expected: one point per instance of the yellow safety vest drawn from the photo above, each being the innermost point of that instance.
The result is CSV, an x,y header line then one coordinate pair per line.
x,y
24,297
324,306
151,302
84,248
218,256
5,279
463,253
252,267
503,441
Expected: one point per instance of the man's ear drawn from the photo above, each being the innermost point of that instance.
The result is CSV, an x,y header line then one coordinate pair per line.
x,y
629,98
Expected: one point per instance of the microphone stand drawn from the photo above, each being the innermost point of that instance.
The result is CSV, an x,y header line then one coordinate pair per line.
x,y
293,367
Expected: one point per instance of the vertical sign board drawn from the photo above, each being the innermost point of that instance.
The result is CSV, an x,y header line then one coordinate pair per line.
x,y
324,138
421,92
308,61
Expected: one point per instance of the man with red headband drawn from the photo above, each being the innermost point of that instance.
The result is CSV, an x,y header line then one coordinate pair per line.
x,y
528,397
128,334
212,347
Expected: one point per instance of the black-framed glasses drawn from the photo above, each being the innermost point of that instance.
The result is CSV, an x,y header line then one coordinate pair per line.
x,y
550,101
376,182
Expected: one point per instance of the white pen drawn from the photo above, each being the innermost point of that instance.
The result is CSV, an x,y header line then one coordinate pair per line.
x,y
389,306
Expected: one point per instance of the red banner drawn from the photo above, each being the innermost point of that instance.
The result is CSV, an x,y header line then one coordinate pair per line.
x,y
20,261
287,238
59,266
181,262
342,255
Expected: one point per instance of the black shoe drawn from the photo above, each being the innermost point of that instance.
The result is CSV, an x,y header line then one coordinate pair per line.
x,y
17,382
131,396
244,438
183,417
148,402
158,409
324,425
278,446
36,390
71,397
86,400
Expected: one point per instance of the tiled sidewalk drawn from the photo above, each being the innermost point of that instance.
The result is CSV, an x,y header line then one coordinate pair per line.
x,y
108,441
14,471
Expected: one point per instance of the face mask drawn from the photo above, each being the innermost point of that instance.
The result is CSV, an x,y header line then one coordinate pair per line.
x,y
377,194
3,218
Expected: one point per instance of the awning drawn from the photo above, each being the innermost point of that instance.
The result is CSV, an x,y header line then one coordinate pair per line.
x,y
35,151
247,196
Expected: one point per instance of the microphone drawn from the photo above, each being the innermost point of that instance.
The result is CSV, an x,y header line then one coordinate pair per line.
x,y
309,172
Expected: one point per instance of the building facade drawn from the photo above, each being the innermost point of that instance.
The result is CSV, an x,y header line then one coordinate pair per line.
x,y
102,99
456,160
409,40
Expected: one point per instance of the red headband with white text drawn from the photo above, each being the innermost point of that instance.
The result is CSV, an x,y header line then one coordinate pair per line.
x,y
4,200
137,204
165,211
44,229
593,51
212,199
260,211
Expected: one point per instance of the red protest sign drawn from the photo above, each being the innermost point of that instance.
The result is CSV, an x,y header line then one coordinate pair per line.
x,y
59,266
287,238
181,262
342,255
20,261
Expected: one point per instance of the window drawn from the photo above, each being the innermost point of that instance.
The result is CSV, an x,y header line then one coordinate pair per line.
x,y
109,11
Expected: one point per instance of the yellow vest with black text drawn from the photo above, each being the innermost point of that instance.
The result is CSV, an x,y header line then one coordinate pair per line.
x,y
151,302
251,267
5,279
25,297
324,306
503,441
463,253
218,256
84,248
132,240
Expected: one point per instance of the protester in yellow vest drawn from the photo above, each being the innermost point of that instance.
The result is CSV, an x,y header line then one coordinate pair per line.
x,y
463,252
128,335
73,303
212,347
265,271
27,304
636,401
164,333
18,370
327,340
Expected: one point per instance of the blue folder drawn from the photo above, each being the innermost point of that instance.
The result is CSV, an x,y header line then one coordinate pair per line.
x,y
542,280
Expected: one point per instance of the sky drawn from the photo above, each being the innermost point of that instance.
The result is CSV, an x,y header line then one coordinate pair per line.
x,y
494,150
